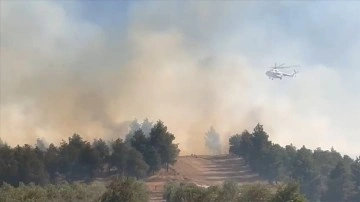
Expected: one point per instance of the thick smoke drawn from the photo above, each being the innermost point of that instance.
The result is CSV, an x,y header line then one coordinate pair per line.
x,y
41,144
145,127
50,93
212,141
62,75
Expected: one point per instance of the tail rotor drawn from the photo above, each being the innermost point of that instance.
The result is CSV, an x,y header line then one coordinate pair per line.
x,y
295,72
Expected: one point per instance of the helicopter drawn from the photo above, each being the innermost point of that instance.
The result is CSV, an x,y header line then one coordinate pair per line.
x,y
275,73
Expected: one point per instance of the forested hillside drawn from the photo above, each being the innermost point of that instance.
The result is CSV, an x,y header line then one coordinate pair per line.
x,y
323,175
76,159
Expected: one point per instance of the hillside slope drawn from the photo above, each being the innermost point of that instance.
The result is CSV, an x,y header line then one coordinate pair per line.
x,y
204,171
212,170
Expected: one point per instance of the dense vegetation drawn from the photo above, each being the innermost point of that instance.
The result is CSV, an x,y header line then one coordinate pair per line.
x,y
120,189
138,156
57,193
231,192
127,189
320,175
323,175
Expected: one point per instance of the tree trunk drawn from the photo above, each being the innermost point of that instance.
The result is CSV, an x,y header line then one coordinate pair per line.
x,y
167,167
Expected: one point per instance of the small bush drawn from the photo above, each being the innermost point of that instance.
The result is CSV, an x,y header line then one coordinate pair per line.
x,y
125,190
255,192
289,192
181,192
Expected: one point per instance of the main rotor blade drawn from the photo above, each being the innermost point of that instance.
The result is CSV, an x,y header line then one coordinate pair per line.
x,y
289,66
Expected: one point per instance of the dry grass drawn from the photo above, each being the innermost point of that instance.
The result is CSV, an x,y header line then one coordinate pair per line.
x,y
204,171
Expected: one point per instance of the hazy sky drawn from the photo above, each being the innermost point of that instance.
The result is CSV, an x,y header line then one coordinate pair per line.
x,y
90,67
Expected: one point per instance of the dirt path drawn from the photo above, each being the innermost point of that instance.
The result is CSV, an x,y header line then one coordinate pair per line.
x,y
204,171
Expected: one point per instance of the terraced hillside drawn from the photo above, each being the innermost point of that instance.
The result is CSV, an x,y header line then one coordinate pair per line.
x,y
204,171
212,170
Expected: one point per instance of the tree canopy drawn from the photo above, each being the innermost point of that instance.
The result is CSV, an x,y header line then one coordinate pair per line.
x,y
323,175
78,159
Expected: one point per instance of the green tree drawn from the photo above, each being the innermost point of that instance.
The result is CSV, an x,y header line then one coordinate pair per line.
x,y
355,169
305,170
290,155
153,159
118,157
340,185
162,141
311,169
139,141
326,160
89,160
69,157
303,165
8,166
234,144
260,149
275,169
151,156
260,138
102,150
242,145
51,161
30,168
135,165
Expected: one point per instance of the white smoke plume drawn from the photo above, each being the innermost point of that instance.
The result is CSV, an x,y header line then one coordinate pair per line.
x,y
62,74
212,142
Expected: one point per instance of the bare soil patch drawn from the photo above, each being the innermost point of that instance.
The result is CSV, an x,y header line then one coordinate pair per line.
x,y
203,170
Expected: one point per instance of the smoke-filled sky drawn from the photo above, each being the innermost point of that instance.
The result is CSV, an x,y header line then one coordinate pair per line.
x,y
91,67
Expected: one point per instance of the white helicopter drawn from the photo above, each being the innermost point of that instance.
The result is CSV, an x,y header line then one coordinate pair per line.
x,y
275,73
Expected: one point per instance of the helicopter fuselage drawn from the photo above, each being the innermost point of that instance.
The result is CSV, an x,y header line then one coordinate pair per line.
x,y
274,74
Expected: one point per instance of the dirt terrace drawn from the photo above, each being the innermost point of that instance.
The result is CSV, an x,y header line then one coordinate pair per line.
x,y
204,171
